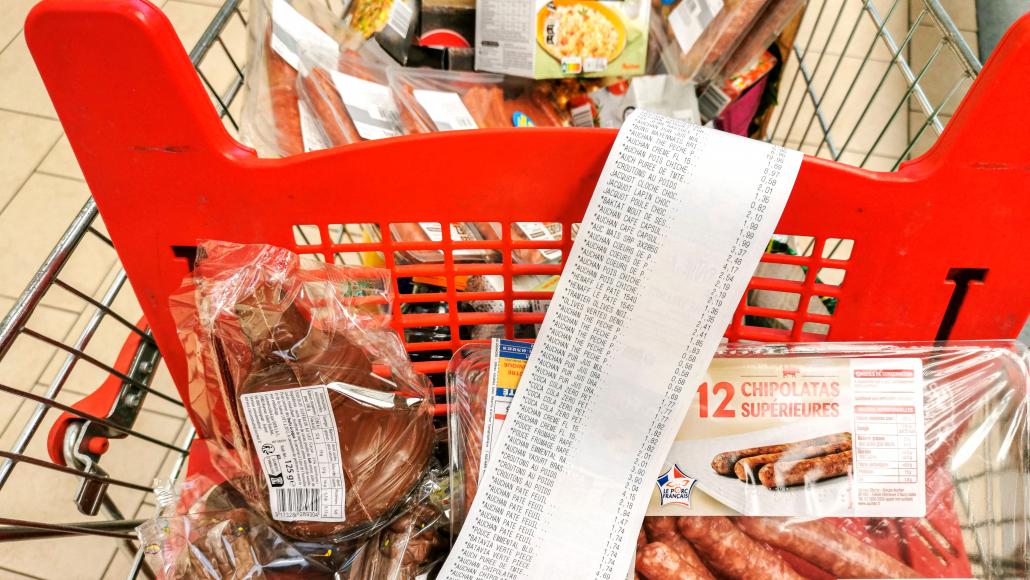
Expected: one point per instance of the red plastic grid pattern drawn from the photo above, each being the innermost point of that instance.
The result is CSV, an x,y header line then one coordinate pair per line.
x,y
164,173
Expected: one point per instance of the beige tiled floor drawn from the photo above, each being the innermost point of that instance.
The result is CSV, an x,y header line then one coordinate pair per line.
x,y
41,190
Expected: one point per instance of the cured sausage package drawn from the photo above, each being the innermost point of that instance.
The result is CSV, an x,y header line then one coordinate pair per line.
x,y
203,530
450,100
824,460
273,121
319,418
694,39
349,97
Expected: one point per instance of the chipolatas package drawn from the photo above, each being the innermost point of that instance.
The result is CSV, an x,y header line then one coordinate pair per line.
x,y
820,461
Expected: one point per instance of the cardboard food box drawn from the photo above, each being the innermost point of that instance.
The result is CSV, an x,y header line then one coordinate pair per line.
x,y
546,39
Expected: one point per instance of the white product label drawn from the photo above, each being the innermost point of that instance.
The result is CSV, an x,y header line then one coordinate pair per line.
x,y
295,437
799,437
595,64
292,33
459,232
310,133
400,17
505,36
539,232
675,228
890,444
370,105
507,362
446,110
689,19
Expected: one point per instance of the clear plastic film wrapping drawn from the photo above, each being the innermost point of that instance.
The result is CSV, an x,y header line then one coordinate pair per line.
x,y
976,477
203,530
705,56
272,119
349,98
259,329
448,100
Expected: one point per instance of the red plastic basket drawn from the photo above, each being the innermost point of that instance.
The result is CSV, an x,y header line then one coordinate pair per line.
x,y
939,247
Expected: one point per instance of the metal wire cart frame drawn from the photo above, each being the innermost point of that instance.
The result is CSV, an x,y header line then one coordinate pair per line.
x,y
828,108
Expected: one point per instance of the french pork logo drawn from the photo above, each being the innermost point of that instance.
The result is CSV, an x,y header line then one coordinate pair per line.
x,y
674,486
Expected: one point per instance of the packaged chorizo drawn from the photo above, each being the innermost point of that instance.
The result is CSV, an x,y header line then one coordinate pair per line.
x,y
694,38
823,460
450,100
326,428
349,97
273,120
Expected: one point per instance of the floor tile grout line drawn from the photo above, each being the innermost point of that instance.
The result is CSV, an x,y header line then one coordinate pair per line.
x,y
26,575
60,176
21,185
28,114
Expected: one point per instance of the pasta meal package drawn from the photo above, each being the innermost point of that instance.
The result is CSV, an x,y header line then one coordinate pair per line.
x,y
273,120
695,38
302,389
204,530
822,460
549,39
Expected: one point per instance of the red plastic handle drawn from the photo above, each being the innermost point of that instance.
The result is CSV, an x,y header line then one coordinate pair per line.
x,y
98,403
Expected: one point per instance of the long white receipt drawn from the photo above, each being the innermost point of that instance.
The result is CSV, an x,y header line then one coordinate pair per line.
x,y
675,228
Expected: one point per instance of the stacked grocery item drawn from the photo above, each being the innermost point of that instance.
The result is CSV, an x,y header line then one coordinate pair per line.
x,y
319,79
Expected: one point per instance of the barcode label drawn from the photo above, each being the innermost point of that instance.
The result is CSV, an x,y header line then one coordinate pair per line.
x,y
446,110
400,17
711,102
583,115
297,444
305,501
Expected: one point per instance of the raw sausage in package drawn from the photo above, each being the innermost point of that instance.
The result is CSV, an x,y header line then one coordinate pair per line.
x,y
273,121
350,98
694,38
324,416
449,100
824,460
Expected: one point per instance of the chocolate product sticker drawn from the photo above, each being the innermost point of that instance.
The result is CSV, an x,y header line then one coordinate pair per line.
x,y
294,435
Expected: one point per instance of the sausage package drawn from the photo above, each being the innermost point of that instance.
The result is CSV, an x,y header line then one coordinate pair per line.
x,y
214,534
319,418
273,120
450,100
823,460
348,96
695,38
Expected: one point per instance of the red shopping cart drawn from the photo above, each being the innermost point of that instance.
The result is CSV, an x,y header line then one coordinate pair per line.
x,y
938,246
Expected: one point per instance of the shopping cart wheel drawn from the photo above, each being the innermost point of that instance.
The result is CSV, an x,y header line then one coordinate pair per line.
x,y
79,443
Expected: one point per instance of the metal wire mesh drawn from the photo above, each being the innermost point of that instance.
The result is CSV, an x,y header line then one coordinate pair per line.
x,y
871,83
